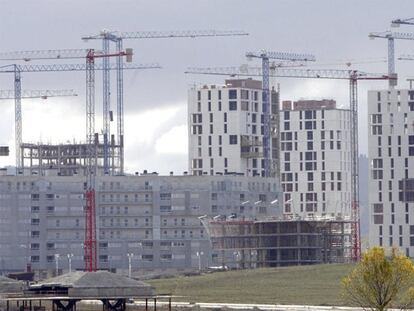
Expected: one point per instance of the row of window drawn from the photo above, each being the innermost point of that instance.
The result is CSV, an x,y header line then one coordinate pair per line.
x,y
310,145
307,114
288,136
232,94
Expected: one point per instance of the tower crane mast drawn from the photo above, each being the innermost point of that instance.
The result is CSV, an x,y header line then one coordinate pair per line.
x,y
352,76
391,36
117,37
265,56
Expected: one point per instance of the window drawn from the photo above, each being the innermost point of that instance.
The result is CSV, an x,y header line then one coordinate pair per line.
x,y
166,257
232,105
34,258
35,221
308,125
286,126
378,219
233,139
308,114
147,257
165,196
165,208
232,94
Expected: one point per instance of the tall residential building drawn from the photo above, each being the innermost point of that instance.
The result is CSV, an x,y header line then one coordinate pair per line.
x,y
153,217
226,129
391,180
315,158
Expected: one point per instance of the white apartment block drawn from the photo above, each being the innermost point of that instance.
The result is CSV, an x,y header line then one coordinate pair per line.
x,y
315,158
226,129
391,180
153,217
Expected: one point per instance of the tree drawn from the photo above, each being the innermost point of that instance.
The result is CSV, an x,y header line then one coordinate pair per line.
x,y
379,282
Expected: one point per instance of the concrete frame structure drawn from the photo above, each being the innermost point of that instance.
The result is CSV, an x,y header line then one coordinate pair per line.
x,y
154,217
391,178
315,159
65,159
225,124
280,242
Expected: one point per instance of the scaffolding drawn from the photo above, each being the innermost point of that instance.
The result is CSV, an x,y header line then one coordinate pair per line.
x,y
65,159
248,244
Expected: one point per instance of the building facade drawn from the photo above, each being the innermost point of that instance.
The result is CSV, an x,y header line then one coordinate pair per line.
x,y
391,179
315,158
226,129
153,217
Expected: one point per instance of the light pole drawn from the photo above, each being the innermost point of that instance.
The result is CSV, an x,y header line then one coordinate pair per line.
x,y
130,256
57,263
199,254
70,262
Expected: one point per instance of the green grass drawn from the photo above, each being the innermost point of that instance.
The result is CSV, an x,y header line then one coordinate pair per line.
x,y
305,285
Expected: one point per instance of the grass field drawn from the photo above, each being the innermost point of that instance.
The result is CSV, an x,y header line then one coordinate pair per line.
x,y
307,285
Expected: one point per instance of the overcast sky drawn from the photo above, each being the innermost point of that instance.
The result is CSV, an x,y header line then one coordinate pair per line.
x,y
336,32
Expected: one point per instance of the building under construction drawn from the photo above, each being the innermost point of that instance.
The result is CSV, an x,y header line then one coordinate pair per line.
x,y
67,159
280,242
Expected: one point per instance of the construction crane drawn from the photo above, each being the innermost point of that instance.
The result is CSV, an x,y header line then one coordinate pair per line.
x,y
117,37
18,69
398,22
43,94
352,76
43,54
265,56
391,36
